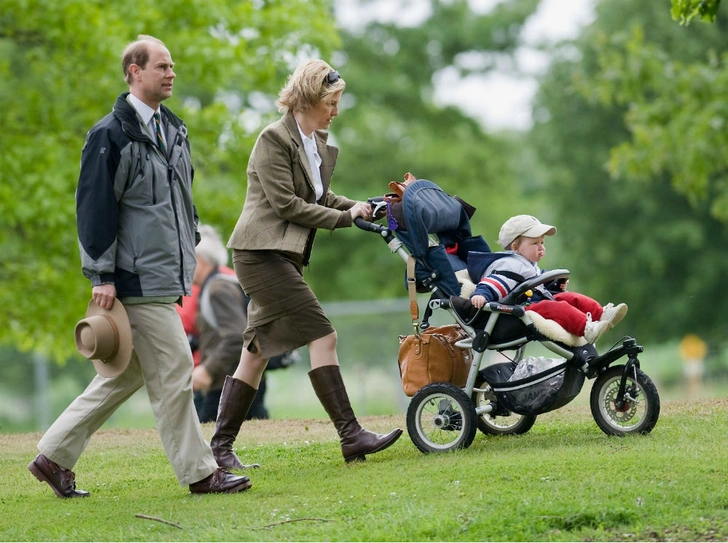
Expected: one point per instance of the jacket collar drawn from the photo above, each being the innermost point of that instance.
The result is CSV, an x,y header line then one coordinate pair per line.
x,y
289,121
132,124
319,136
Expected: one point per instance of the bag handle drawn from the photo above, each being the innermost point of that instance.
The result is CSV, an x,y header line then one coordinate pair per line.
x,y
398,187
412,290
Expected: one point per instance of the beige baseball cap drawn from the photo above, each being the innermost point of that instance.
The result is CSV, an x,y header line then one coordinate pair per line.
x,y
523,225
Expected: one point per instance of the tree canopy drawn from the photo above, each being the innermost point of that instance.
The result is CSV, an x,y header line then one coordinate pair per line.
x,y
627,155
687,10
677,115
628,132
60,71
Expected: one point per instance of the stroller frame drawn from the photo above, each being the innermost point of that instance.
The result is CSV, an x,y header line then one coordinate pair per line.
x,y
443,417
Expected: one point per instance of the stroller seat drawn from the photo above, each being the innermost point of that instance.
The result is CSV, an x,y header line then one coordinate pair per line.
x,y
509,328
441,268
548,328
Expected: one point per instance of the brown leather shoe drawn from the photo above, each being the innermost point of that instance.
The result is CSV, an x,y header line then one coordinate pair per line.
x,y
61,480
221,481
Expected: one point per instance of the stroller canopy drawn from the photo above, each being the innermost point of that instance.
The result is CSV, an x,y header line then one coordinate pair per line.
x,y
428,209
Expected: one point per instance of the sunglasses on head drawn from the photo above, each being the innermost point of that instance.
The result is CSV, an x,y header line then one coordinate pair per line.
x,y
332,77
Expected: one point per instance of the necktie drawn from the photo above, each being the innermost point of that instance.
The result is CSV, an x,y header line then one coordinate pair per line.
x,y
158,126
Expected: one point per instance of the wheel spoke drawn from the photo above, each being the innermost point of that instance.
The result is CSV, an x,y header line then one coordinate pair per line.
x,y
499,421
638,410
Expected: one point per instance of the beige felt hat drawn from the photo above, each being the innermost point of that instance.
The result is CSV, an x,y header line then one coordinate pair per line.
x,y
104,337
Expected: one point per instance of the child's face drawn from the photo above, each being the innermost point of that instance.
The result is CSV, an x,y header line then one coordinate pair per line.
x,y
533,249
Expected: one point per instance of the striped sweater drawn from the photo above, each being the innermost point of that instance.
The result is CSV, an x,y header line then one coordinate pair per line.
x,y
497,281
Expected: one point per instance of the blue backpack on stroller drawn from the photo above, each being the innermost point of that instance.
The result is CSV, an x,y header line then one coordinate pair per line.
x,y
430,230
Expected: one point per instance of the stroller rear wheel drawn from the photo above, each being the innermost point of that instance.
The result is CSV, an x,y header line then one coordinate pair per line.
x,y
441,418
636,414
500,422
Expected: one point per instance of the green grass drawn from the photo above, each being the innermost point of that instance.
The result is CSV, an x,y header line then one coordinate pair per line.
x,y
562,481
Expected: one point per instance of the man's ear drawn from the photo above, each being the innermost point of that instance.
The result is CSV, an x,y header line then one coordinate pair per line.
x,y
134,70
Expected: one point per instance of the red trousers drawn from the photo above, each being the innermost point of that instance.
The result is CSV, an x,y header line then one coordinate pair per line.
x,y
569,309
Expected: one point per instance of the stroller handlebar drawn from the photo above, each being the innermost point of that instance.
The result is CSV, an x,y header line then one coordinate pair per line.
x,y
370,226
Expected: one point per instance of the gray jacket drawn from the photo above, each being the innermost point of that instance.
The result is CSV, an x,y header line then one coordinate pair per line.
x,y
136,221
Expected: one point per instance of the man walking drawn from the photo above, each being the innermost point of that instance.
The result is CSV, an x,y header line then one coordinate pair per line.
x,y
137,234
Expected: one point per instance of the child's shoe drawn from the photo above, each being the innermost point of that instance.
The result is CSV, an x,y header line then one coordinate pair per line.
x,y
613,314
594,329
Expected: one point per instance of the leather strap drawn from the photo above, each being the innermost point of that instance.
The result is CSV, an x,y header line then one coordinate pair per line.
x,y
412,290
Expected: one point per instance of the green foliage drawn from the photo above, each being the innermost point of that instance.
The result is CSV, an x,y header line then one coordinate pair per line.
x,y
632,234
60,72
677,116
562,481
687,10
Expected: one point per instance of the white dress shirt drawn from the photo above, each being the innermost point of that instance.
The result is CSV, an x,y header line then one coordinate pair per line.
x,y
314,160
147,115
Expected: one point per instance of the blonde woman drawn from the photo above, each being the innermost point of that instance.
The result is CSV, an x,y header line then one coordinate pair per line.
x,y
288,198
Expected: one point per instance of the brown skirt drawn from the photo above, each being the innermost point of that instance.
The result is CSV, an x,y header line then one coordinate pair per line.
x,y
283,313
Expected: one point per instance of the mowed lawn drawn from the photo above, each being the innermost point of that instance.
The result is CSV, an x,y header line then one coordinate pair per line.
x,y
562,481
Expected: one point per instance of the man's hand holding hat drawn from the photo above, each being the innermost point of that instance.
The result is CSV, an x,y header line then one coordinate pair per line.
x,y
104,295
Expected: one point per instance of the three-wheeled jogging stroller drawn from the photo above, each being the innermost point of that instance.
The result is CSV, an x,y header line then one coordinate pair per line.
x,y
503,396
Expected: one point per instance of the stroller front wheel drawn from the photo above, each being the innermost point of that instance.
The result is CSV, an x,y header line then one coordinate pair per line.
x,y
441,418
637,413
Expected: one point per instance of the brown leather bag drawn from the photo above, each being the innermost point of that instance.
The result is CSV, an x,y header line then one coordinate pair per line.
x,y
432,357
394,199
398,187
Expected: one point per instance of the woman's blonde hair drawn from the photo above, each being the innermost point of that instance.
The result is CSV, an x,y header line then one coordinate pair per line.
x,y
313,82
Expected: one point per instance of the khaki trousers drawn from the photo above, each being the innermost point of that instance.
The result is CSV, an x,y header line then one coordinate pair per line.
x,y
162,360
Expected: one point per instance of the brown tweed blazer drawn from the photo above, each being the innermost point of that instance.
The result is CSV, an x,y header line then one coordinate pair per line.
x,y
280,210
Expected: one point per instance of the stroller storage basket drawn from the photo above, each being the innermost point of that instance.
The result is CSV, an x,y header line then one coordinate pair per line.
x,y
536,394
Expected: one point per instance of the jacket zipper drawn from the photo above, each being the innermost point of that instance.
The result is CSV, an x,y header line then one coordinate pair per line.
x,y
154,180
170,177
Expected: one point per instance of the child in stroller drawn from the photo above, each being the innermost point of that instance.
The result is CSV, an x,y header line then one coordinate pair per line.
x,y
522,237
430,231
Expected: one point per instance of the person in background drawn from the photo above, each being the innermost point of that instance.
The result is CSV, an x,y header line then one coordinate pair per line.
x,y
522,237
137,231
188,313
220,318
288,198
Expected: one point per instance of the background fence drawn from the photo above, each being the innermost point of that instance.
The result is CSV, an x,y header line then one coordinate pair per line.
x,y
34,391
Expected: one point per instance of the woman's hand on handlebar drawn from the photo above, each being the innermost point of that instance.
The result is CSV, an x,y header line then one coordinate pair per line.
x,y
360,209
